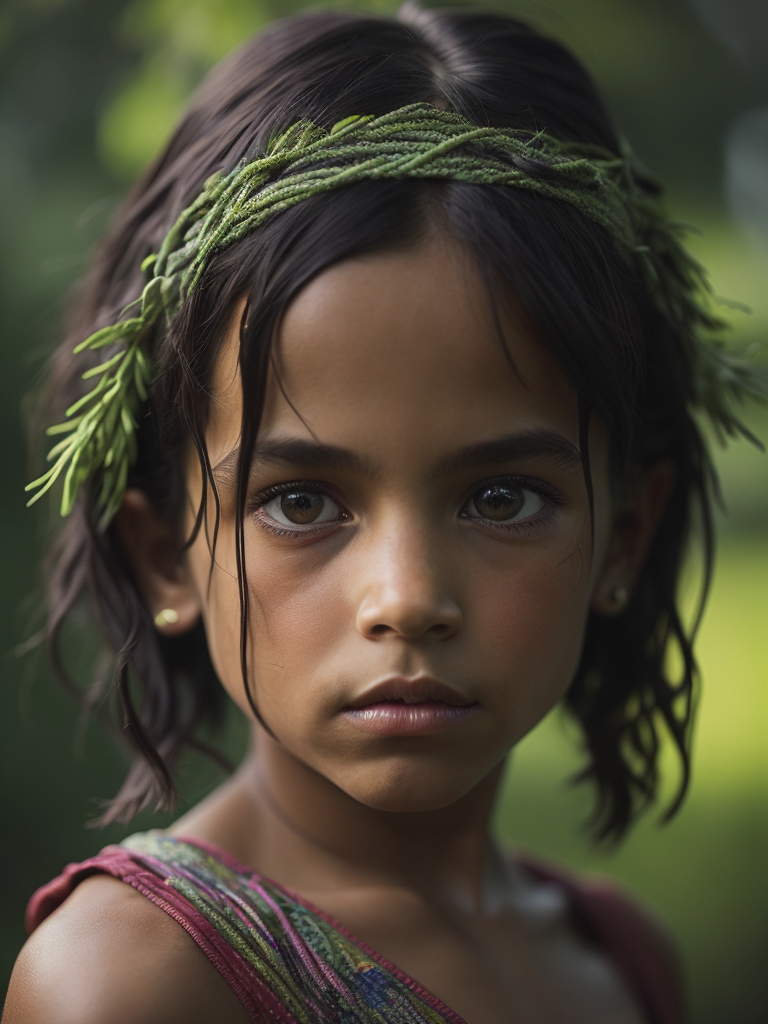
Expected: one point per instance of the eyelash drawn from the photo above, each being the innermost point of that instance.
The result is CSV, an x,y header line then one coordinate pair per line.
x,y
256,504
552,499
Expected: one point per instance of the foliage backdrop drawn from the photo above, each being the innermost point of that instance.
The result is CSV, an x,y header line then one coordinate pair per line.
x,y
88,92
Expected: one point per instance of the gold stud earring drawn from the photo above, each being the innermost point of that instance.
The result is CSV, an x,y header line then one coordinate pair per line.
x,y
166,617
618,596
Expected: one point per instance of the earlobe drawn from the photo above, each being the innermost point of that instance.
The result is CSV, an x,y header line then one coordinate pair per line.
x,y
158,569
613,599
635,524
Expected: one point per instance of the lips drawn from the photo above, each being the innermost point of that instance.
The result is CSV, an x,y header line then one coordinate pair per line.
x,y
410,691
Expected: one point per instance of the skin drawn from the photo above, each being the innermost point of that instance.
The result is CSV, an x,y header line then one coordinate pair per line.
x,y
395,360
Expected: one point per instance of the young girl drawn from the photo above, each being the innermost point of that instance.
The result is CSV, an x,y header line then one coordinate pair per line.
x,y
379,419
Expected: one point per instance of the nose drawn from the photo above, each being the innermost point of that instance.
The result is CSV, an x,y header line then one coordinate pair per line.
x,y
402,594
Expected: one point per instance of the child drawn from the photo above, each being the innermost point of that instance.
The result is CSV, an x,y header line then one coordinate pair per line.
x,y
380,419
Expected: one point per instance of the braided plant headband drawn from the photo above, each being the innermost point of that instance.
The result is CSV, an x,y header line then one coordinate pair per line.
x,y
98,442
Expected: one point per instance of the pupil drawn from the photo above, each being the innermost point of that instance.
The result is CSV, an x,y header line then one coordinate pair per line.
x,y
301,506
499,503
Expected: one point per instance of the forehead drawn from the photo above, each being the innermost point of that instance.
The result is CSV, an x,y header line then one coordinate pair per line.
x,y
400,354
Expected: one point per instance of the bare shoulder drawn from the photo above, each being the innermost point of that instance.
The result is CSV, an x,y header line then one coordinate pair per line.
x,y
108,954
647,945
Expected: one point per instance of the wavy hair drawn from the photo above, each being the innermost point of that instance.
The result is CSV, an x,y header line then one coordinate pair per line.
x,y
624,360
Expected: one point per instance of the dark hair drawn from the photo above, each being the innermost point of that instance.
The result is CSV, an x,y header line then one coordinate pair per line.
x,y
588,307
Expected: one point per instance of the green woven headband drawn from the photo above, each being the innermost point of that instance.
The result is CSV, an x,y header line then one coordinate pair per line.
x,y
98,443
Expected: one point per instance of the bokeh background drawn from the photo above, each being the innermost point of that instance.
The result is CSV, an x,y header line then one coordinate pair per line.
x,y
88,92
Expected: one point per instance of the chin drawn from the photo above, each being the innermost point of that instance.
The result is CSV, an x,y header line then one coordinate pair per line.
x,y
409,788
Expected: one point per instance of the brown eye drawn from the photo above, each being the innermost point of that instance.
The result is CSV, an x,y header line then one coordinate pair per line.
x,y
499,503
302,508
503,503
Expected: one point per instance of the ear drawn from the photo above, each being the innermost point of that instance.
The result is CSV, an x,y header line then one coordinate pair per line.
x,y
158,569
635,523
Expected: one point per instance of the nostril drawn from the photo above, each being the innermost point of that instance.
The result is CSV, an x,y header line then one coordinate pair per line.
x,y
411,629
389,613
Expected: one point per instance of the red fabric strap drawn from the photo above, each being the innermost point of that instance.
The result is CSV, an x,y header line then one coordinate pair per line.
x,y
258,1000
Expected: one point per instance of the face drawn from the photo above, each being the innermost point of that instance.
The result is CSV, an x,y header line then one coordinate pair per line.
x,y
417,531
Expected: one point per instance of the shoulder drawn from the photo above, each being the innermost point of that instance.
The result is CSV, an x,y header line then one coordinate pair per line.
x,y
629,924
108,954
642,945
608,910
629,933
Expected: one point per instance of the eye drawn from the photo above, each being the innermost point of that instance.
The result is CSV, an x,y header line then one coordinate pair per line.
x,y
504,504
300,506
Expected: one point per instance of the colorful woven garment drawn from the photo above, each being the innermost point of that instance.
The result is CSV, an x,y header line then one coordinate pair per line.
x,y
316,972
284,959
290,963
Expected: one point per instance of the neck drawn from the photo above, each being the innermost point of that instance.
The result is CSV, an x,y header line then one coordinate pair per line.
x,y
291,824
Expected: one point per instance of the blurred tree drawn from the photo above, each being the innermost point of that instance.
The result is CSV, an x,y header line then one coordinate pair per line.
x,y
178,41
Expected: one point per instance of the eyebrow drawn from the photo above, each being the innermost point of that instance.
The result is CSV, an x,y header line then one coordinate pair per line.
x,y
292,452
529,444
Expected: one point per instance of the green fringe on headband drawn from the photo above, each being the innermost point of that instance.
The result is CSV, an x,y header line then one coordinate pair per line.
x,y
416,141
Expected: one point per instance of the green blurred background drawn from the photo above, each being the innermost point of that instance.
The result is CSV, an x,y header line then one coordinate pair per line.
x,y
88,92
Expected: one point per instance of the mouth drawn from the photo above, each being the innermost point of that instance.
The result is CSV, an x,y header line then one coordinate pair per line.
x,y
398,706
418,690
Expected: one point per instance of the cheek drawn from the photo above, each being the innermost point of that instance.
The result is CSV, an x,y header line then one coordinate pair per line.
x,y
298,619
530,622
221,616
293,599
216,584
